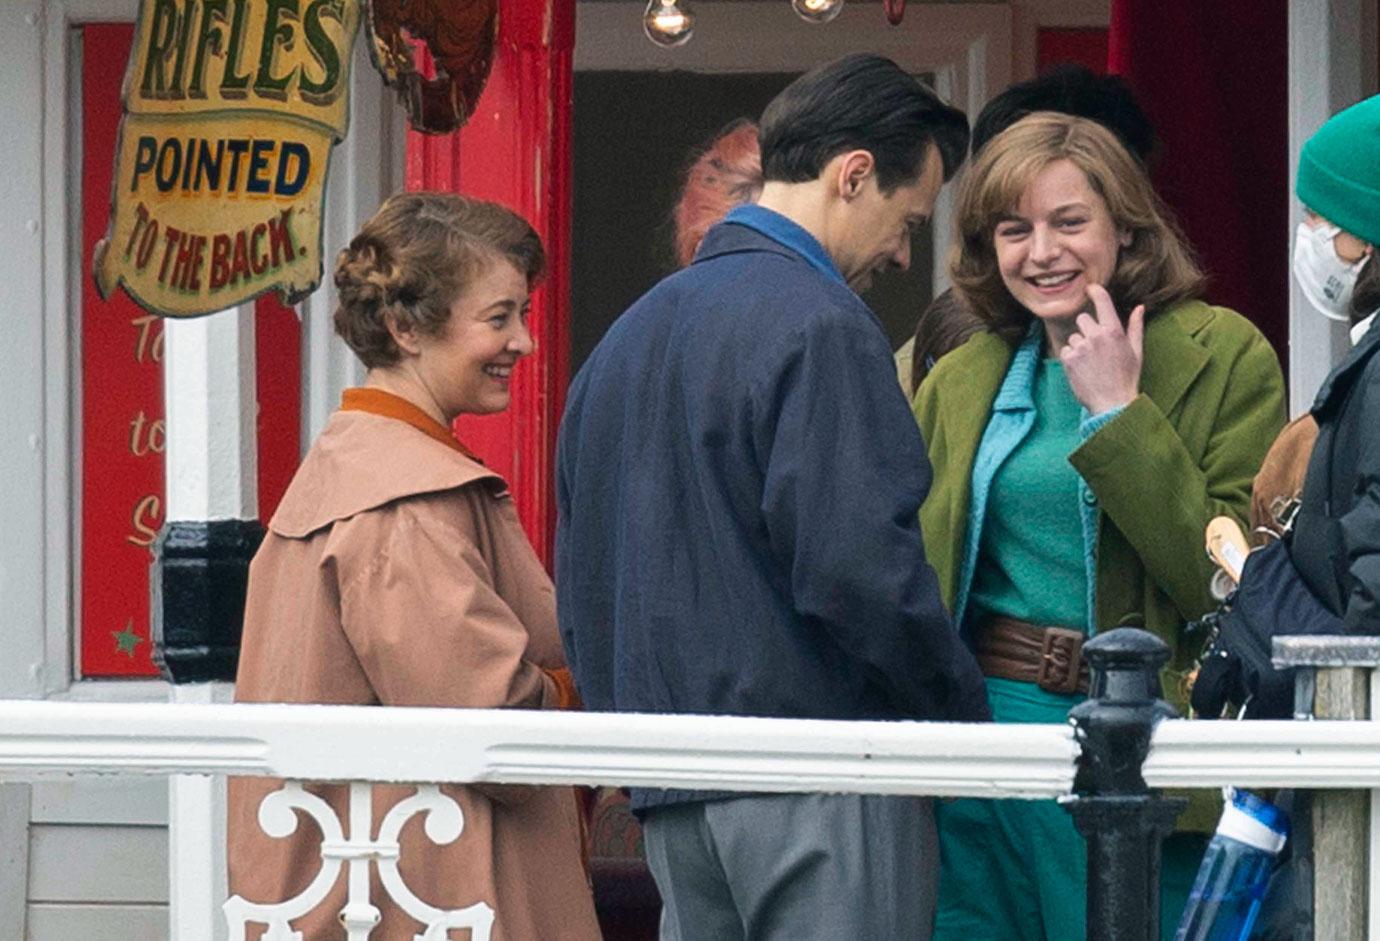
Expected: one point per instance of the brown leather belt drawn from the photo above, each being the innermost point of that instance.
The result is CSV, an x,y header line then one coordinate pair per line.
x,y
1049,657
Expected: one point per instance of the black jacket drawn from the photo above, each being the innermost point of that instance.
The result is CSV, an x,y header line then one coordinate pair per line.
x,y
1336,542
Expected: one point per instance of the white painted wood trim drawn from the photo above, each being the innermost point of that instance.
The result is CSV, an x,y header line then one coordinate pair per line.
x,y
767,36
63,277
14,858
1331,66
1373,849
210,405
197,808
1028,17
363,743
1318,754
519,746
23,463
967,47
366,167
94,11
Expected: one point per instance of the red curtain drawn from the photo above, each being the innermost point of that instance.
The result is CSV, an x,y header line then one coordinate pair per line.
x,y
1212,78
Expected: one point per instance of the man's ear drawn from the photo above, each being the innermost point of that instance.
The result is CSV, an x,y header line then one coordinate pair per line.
x,y
853,170
403,334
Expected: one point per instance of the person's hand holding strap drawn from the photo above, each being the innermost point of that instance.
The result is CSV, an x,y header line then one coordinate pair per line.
x,y
1102,359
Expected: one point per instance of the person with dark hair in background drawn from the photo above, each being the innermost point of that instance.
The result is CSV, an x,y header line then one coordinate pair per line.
x,y
738,483
395,573
1080,446
1076,90
1068,89
944,325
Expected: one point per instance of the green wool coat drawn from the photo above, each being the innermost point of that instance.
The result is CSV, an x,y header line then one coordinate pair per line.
x,y
1211,403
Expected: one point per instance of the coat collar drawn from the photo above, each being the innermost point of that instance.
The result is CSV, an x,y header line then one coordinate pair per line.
x,y
1335,386
1173,356
1173,360
362,461
789,233
728,238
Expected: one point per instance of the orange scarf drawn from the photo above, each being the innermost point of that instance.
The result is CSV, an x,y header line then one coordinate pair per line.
x,y
379,402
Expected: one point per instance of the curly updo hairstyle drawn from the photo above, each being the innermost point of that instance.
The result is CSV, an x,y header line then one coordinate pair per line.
x,y
415,257
1157,269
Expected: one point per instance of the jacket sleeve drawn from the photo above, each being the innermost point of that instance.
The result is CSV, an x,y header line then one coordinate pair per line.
x,y
1161,498
844,476
1360,525
430,630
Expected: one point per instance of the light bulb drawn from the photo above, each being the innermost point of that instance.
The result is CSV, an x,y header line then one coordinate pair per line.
x,y
817,11
668,22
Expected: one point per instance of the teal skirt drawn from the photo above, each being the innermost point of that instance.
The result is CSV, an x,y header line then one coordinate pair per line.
x,y
1015,870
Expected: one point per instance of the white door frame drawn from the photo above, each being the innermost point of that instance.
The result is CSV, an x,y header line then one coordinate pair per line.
x,y
1332,64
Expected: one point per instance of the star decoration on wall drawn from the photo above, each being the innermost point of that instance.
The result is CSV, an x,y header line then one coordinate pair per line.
x,y
126,640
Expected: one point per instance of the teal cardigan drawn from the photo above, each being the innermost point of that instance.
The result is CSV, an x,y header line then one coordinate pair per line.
x,y
1013,416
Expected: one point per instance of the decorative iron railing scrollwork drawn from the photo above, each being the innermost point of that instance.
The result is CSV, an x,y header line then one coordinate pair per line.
x,y
357,850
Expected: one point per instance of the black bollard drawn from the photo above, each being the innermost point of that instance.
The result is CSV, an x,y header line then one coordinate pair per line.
x,y
1123,821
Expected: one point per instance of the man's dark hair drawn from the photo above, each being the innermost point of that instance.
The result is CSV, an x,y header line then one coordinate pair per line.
x,y
1075,90
859,102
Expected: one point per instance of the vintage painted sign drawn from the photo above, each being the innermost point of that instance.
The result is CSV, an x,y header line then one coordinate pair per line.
x,y
231,108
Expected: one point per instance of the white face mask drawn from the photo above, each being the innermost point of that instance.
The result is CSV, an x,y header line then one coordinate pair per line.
x,y
1327,281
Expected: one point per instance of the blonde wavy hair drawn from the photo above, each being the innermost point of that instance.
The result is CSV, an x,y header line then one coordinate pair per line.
x,y
1157,268
415,257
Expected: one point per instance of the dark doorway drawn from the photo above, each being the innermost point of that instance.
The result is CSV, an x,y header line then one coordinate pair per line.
x,y
635,135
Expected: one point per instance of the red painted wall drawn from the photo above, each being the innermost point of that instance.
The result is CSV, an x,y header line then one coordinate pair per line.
x,y
122,402
515,150
1087,47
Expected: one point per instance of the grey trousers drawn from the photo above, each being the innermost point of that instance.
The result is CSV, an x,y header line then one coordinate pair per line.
x,y
795,867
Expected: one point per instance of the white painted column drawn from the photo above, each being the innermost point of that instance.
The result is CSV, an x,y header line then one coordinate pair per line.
x,y
22,459
1373,844
1332,64
27,477
208,377
212,474
366,168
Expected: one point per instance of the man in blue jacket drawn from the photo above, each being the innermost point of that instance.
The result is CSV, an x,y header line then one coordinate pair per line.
x,y
738,481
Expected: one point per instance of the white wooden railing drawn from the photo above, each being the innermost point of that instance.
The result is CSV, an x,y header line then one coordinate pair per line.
x,y
40,740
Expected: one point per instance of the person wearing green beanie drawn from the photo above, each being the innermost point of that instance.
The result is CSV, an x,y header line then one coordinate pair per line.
x,y
1336,533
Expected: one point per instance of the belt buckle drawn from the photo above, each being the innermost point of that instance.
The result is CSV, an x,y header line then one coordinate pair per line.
x,y
1061,660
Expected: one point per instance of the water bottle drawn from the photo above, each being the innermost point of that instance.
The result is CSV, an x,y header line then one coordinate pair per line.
x,y
1231,881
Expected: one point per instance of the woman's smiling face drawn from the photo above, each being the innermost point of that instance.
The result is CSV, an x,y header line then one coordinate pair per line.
x,y
1055,241
467,367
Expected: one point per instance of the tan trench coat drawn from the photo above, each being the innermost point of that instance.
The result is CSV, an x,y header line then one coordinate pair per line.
x,y
395,572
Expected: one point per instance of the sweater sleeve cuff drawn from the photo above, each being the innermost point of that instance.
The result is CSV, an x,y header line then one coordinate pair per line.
x,y
1090,425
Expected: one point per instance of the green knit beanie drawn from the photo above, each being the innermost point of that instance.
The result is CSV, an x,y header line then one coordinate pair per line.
x,y
1339,170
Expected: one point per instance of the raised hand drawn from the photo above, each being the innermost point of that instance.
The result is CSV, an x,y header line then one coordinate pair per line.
x,y
1102,360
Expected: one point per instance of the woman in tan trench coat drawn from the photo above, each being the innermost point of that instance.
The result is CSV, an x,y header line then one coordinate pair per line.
x,y
395,573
